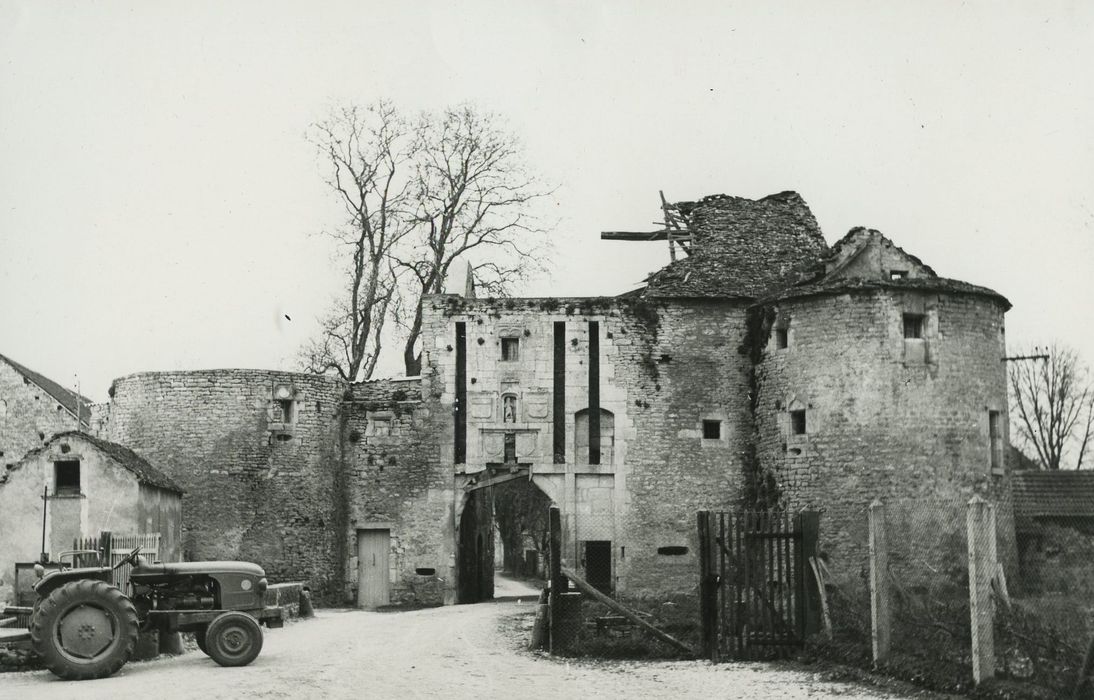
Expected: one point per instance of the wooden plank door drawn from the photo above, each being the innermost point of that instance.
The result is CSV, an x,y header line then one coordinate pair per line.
x,y
373,579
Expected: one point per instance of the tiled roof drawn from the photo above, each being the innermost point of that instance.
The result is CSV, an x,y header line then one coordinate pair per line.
x,y
851,284
145,472
66,397
742,248
1053,493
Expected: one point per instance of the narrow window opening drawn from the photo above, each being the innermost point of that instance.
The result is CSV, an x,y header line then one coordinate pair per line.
x,y
797,422
66,477
285,410
782,338
283,437
425,571
913,325
510,448
898,274
712,430
672,551
995,436
510,349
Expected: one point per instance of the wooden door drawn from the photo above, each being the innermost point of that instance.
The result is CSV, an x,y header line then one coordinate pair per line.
x,y
373,578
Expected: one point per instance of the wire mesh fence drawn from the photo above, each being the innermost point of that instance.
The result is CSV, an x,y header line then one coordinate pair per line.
x,y
1038,611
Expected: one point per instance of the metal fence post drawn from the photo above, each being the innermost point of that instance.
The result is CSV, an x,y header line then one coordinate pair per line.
x,y
881,630
558,582
979,520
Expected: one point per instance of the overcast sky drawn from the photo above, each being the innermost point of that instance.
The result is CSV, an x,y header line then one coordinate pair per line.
x,y
158,200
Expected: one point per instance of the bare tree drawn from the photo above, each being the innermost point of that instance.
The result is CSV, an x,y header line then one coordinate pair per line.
x,y
367,155
474,200
1053,406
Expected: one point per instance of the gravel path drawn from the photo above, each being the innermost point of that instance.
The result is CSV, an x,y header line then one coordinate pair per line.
x,y
466,651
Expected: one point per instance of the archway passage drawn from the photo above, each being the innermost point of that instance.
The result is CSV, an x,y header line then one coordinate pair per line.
x,y
503,531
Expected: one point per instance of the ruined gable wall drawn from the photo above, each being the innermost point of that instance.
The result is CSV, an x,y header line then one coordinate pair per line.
x,y
28,416
664,368
883,423
396,482
249,495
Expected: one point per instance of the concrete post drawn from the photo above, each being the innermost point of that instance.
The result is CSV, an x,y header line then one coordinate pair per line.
x,y
880,620
979,520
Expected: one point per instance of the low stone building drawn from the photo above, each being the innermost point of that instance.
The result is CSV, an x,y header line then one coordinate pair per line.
x,y
764,369
86,485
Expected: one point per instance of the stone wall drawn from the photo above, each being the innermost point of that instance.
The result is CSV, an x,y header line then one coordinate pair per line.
x,y
904,421
258,487
28,416
396,482
663,370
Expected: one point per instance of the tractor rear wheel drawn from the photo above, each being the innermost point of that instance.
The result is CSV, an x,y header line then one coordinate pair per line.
x,y
233,639
84,629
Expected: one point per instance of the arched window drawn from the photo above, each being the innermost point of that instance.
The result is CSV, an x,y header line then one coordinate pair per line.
x,y
607,436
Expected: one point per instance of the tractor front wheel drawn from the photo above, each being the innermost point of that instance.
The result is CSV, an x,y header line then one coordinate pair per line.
x,y
199,637
233,639
84,629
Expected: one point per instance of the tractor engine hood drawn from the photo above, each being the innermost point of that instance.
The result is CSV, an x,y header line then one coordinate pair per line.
x,y
194,568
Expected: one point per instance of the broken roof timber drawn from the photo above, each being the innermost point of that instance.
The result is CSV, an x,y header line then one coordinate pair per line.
x,y
636,235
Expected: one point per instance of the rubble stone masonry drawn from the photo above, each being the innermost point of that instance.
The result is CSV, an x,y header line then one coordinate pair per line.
x,y
902,420
257,487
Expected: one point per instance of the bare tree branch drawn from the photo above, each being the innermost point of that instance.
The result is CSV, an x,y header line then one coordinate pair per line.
x,y
366,153
1052,406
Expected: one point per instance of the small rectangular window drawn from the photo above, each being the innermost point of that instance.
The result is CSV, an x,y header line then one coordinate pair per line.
x,y
782,338
510,349
510,448
66,478
898,274
913,325
995,440
712,430
285,410
797,422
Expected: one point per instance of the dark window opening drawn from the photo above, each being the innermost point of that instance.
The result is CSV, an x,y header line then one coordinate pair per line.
x,y
797,422
66,478
712,430
285,409
598,565
782,338
913,325
898,274
425,571
510,349
673,550
995,436
510,448
283,437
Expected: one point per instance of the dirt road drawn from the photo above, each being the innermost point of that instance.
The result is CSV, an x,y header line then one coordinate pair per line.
x,y
452,652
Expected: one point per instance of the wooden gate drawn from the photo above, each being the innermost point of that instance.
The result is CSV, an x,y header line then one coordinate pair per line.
x,y
119,547
757,592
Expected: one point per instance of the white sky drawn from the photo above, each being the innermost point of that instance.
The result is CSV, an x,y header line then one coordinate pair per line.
x,y
157,197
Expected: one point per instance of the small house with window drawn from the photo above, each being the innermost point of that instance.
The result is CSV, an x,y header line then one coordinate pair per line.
x,y
76,485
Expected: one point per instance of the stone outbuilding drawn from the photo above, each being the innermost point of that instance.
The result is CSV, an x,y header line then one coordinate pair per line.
x,y
86,485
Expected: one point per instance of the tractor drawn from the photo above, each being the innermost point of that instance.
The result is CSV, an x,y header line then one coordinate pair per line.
x,y
83,627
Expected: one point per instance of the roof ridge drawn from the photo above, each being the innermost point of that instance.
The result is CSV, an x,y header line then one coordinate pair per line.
x,y
70,400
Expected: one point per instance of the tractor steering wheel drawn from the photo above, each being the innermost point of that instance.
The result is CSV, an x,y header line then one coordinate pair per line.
x,y
131,557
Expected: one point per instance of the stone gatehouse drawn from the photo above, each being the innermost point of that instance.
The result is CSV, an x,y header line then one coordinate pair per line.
x,y
766,368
